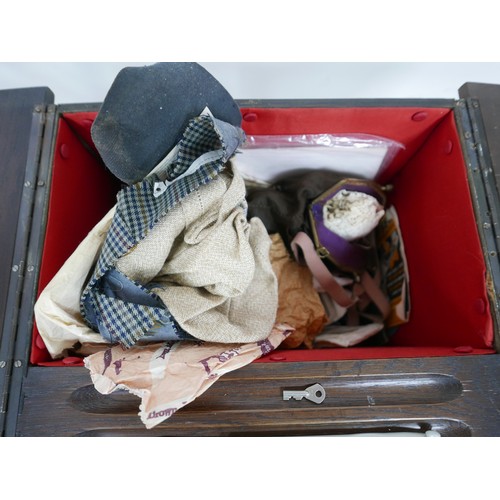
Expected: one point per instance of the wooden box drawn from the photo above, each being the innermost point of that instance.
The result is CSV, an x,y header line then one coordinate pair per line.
x,y
439,372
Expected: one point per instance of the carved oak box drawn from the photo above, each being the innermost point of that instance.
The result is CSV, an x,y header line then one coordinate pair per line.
x,y
439,372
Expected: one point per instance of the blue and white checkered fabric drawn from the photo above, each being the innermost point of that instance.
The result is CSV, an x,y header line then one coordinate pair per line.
x,y
137,212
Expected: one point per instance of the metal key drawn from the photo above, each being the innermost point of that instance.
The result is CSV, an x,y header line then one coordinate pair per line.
x,y
315,393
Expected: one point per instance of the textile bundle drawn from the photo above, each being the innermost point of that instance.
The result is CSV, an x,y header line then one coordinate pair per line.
x,y
199,270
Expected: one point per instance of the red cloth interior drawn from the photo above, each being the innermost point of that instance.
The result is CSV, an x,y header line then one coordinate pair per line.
x,y
447,271
450,312
82,191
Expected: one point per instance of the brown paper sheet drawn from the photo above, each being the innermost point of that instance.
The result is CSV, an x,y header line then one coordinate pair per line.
x,y
299,304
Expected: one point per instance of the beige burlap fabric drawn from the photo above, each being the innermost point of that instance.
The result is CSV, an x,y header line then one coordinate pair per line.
x,y
210,265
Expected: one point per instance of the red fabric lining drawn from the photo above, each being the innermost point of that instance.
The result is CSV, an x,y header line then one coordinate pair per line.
x,y
81,124
394,123
450,307
82,191
368,353
447,271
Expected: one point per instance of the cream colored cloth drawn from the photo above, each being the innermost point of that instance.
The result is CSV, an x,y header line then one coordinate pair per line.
x,y
352,214
238,302
346,336
57,310
211,266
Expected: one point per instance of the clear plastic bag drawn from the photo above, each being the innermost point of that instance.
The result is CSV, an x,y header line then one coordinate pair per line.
x,y
265,158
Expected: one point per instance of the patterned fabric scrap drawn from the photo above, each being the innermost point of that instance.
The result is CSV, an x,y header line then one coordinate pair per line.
x,y
211,265
208,142
152,372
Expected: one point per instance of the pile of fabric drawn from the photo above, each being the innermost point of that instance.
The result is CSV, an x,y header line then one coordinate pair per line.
x,y
194,273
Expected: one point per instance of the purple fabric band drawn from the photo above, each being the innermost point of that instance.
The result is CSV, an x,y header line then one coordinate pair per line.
x,y
346,254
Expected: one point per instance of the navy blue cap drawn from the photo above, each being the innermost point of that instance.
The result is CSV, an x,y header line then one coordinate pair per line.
x,y
147,109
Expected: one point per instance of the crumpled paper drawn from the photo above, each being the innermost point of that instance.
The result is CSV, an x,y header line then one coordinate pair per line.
x,y
169,375
299,304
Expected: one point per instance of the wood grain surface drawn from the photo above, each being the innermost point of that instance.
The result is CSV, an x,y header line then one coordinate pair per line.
x,y
456,396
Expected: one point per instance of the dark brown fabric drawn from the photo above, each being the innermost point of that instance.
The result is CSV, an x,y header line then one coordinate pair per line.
x,y
282,207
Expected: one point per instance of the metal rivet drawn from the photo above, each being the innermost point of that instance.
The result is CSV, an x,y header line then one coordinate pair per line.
x,y
27,184
467,135
480,306
448,147
475,104
487,225
17,363
40,183
31,269
419,116
72,360
38,109
15,268
493,253
277,357
3,364
64,151
464,349
250,117
39,342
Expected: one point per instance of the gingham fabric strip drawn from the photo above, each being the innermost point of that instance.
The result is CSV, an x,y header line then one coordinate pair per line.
x,y
137,212
115,313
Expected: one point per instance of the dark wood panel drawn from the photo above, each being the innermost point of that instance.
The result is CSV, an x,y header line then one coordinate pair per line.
x,y
488,100
16,114
341,391
457,396
21,128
